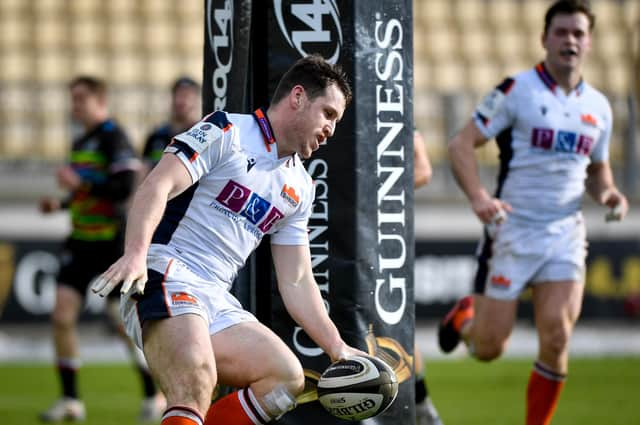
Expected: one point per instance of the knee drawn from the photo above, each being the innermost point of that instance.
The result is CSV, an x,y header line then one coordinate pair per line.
x,y
555,338
488,349
193,384
62,317
291,375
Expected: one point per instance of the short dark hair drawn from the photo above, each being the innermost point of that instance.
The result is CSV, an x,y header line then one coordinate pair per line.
x,y
315,74
569,7
95,85
184,81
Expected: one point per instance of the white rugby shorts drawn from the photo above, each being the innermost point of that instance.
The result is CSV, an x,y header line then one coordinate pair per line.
x,y
172,290
519,253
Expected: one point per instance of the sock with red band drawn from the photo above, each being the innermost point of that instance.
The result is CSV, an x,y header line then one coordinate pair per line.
x,y
181,415
543,393
238,408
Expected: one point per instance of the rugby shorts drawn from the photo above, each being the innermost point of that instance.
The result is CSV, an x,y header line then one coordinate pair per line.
x,y
82,261
517,254
172,289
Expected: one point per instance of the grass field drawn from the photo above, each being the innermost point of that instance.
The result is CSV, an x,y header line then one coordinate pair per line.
x,y
603,391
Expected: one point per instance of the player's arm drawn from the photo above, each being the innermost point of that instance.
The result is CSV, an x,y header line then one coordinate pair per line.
x,y
167,180
303,301
601,187
422,170
465,169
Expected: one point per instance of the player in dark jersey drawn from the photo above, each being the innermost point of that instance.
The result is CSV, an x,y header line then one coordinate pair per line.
x,y
185,112
99,177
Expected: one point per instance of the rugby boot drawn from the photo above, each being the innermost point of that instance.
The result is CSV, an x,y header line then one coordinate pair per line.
x,y
450,326
65,409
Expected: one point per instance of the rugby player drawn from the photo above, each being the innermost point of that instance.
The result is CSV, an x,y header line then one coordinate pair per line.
x,y
217,190
100,179
553,131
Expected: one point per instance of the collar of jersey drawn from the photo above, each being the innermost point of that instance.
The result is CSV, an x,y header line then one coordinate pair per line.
x,y
548,80
260,115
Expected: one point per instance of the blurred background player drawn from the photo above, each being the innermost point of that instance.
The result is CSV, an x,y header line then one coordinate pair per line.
x,y
100,177
553,132
426,413
185,112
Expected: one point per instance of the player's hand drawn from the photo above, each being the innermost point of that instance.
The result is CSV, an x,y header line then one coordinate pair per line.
x,y
49,205
68,178
490,210
345,351
130,270
618,206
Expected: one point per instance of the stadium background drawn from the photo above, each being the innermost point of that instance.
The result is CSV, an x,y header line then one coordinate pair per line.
x,y
462,48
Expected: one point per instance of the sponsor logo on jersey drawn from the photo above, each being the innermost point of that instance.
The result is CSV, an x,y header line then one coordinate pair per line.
x,y
561,141
199,134
182,298
500,280
589,119
243,201
289,194
311,26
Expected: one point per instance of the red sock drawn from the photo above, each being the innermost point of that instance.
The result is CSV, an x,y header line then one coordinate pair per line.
x,y
238,408
543,393
180,415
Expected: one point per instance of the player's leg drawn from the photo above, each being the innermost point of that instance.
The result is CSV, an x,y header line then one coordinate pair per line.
x,y
154,402
64,326
557,307
426,412
482,322
180,357
251,357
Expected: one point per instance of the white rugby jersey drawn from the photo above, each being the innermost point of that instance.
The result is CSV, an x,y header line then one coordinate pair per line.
x,y
241,191
546,140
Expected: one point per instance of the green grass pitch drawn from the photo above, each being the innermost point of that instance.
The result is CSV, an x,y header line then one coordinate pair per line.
x,y
598,391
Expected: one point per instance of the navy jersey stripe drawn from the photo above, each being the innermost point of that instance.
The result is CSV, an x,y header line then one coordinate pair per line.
x,y
176,208
504,140
483,265
506,86
218,118
184,148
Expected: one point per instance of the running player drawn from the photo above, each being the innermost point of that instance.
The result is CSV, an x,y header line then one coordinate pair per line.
x,y
185,112
218,189
100,178
553,132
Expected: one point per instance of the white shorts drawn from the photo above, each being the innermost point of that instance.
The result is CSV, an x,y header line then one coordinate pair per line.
x,y
172,290
520,253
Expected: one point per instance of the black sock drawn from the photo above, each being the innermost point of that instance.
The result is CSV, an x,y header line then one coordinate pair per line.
x,y
149,386
421,389
68,378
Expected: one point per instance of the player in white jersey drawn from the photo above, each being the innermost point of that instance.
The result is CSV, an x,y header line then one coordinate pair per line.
x,y
553,132
218,189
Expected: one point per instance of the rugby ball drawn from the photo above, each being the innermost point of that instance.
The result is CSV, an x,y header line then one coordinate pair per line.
x,y
357,388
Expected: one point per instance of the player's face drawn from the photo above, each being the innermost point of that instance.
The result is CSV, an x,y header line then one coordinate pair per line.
x,y
85,104
317,120
567,41
186,101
